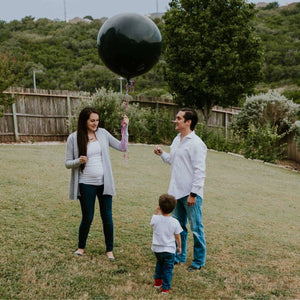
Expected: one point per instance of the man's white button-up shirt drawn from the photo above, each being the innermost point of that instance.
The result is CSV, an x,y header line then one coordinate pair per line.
x,y
187,158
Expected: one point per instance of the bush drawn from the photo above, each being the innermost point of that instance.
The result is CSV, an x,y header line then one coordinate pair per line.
x,y
262,125
293,95
255,143
146,125
263,143
217,139
156,92
271,108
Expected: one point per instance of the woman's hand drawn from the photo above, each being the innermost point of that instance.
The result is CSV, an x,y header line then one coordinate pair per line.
x,y
125,120
83,159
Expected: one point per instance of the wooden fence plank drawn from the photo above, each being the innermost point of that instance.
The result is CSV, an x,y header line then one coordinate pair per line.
x,y
15,122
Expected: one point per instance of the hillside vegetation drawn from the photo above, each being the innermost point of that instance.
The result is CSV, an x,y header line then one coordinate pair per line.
x,y
279,29
66,57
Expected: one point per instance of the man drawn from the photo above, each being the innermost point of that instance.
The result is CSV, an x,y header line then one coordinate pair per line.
x,y
187,158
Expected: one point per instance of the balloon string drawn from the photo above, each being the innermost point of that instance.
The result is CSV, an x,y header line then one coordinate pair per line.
x,y
124,141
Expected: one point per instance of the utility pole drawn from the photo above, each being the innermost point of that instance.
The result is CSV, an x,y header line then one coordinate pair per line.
x,y
157,6
65,11
121,78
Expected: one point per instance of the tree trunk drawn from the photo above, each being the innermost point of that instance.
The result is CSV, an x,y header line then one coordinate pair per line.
x,y
206,111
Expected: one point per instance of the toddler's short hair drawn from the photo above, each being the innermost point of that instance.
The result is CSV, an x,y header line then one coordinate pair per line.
x,y
167,203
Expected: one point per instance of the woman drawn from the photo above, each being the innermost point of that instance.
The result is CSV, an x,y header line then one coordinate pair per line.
x,y
87,156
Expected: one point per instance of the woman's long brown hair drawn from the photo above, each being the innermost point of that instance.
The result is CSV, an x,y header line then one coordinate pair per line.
x,y
82,133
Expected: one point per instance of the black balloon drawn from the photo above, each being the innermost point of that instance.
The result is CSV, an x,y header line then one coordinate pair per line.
x,y
129,44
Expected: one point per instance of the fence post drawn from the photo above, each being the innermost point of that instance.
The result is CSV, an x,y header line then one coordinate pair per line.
x,y
69,111
226,125
15,121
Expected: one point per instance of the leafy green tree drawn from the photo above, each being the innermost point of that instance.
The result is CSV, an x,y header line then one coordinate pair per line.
x,y
90,76
212,52
11,71
271,5
89,18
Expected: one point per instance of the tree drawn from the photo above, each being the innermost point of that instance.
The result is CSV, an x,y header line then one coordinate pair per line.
x,y
212,52
271,5
11,70
88,18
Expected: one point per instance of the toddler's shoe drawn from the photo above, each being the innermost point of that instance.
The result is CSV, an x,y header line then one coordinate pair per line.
x,y
165,291
158,283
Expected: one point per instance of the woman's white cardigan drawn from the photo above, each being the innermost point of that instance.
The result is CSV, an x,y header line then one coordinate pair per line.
x,y
72,161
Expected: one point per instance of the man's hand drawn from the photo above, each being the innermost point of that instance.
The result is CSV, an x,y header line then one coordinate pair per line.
x,y
191,200
157,150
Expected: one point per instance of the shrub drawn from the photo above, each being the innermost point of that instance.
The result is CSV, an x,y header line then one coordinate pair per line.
x,y
262,125
292,94
156,92
263,143
271,108
213,138
216,138
146,125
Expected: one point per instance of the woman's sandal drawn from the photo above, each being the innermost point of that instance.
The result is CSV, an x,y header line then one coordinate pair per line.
x,y
78,253
110,256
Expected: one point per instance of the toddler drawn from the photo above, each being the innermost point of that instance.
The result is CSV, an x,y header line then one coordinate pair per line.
x,y
166,230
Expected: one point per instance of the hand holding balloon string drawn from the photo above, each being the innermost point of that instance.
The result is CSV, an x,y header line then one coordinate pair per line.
x,y
125,120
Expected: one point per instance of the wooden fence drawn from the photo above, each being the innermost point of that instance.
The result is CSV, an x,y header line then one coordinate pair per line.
x,y
292,150
42,115
39,115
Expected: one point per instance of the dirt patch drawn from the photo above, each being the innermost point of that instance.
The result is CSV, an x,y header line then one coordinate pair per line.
x,y
289,164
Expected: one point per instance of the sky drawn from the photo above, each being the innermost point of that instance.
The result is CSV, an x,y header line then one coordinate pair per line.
x,y
56,9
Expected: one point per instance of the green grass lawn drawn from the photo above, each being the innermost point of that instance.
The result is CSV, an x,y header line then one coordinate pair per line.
x,y
251,219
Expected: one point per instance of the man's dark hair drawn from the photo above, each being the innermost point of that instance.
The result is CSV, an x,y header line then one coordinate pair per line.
x,y
190,114
167,203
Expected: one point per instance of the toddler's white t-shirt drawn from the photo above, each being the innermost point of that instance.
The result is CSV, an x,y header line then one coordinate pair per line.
x,y
164,229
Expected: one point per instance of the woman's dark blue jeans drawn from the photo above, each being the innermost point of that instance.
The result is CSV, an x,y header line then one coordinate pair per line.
x,y
87,201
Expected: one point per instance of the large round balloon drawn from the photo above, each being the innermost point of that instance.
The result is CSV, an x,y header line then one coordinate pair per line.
x,y
129,44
